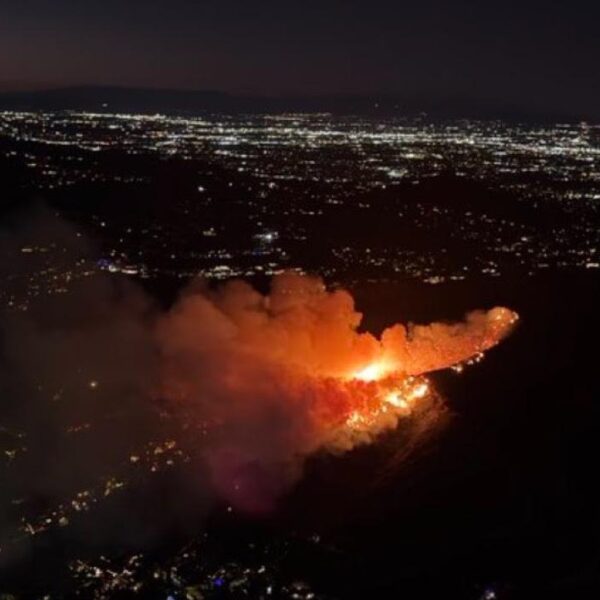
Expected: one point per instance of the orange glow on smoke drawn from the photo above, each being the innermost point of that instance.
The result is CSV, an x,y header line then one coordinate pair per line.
x,y
288,373
371,372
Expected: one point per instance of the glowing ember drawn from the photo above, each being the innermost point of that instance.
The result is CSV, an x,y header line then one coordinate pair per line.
x,y
396,399
419,391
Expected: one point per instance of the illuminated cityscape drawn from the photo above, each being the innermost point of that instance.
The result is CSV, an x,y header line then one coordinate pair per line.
x,y
251,195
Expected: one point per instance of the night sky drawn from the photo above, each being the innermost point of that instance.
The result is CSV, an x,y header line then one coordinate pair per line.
x,y
535,54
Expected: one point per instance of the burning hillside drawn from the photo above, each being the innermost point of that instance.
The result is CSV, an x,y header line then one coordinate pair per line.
x,y
287,374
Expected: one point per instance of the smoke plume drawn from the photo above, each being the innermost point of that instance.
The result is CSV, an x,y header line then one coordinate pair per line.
x,y
258,382
287,374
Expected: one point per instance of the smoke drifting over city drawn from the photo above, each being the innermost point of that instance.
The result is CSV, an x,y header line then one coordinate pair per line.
x,y
262,381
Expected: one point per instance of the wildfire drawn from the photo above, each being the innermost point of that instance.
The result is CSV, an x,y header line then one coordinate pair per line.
x,y
397,392
379,398
371,372
289,373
